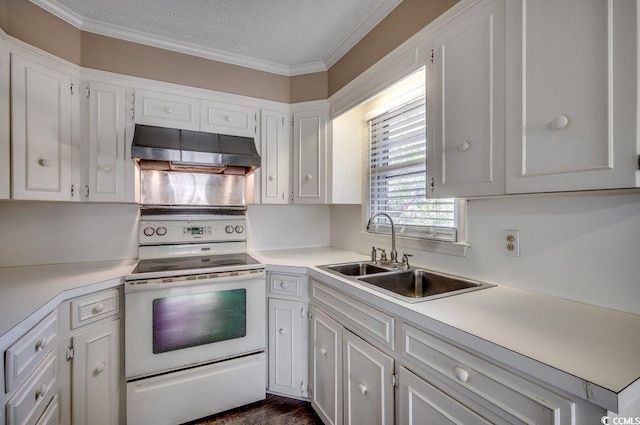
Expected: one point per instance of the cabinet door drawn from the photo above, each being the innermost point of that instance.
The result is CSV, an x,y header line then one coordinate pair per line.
x,y
466,78
326,367
285,332
96,376
107,156
310,156
368,386
167,110
571,96
276,157
40,130
422,403
224,118
5,124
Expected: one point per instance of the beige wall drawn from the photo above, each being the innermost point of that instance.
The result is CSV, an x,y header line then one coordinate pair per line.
x,y
400,25
31,24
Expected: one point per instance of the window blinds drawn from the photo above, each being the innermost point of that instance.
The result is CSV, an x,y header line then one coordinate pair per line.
x,y
397,176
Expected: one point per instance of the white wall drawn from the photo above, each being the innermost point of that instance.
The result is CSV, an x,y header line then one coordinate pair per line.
x,y
287,226
583,247
50,232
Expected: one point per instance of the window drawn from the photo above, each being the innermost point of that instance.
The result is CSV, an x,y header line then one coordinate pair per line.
x,y
397,150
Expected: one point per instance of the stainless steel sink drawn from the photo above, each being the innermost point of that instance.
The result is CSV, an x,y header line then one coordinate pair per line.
x,y
356,269
413,285
419,285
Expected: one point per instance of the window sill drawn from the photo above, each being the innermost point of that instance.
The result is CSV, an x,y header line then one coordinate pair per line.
x,y
458,249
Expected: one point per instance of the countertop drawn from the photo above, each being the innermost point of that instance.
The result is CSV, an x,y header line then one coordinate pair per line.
x,y
575,346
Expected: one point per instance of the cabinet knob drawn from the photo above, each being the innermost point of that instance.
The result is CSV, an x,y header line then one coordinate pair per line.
x,y
362,388
284,285
41,391
106,168
464,146
228,118
41,344
99,308
168,110
271,178
323,351
282,331
308,177
100,367
461,374
559,122
44,162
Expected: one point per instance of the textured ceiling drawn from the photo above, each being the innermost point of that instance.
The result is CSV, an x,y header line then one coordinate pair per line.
x,y
285,36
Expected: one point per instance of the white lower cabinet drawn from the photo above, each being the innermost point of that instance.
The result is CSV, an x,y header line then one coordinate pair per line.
x,y
351,380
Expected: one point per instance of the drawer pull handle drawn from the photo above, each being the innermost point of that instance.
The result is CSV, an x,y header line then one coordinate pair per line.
x,y
461,374
41,344
362,388
41,391
284,285
229,118
99,308
44,162
559,122
323,351
282,331
100,368
168,110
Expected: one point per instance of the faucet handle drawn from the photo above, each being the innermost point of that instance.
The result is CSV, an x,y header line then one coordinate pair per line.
x,y
383,254
405,259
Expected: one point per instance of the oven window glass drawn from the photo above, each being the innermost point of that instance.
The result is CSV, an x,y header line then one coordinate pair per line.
x,y
190,320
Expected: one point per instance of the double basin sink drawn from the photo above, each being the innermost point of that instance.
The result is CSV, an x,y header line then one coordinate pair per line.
x,y
410,285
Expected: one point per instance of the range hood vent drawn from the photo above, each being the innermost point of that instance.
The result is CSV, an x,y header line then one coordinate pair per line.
x,y
168,149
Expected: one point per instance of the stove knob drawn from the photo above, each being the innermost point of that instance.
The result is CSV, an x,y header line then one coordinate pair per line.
x,y
239,229
228,229
161,231
148,231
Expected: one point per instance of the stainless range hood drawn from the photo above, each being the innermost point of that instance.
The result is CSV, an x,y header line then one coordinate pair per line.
x,y
168,149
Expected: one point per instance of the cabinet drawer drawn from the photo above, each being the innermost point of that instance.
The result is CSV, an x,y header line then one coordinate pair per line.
x,y
288,284
224,118
51,413
167,110
367,322
522,400
29,402
94,307
24,355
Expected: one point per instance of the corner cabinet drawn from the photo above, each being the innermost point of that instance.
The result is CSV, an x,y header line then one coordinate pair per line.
x,y
310,152
41,129
572,95
276,157
465,85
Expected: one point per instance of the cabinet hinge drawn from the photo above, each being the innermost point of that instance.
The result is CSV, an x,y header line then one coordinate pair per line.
x,y
310,391
283,121
291,196
292,121
638,162
310,315
432,56
71,88
395,381
303,313
88,92
70,353
73,190
86,190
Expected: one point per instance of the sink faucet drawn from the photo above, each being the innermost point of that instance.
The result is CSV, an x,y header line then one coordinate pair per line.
x,y
394,253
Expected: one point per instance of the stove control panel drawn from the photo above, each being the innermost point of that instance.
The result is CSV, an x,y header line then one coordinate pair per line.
x,y
165,232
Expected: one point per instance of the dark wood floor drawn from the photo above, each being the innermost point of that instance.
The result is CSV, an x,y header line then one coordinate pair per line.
x,y
272,411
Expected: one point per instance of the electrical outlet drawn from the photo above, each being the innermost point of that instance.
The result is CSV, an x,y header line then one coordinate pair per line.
x,y
511,242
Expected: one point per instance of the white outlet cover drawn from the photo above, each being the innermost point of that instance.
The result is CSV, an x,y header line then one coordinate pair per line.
x,y
506,235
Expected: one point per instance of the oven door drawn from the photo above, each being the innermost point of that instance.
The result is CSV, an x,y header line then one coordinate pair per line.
x,y
173,326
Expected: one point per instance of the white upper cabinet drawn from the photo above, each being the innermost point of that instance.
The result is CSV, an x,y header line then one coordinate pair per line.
x,y
465,88
41,98
167,110
310,153
572,95
107,145
5,123
224,118
276,157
